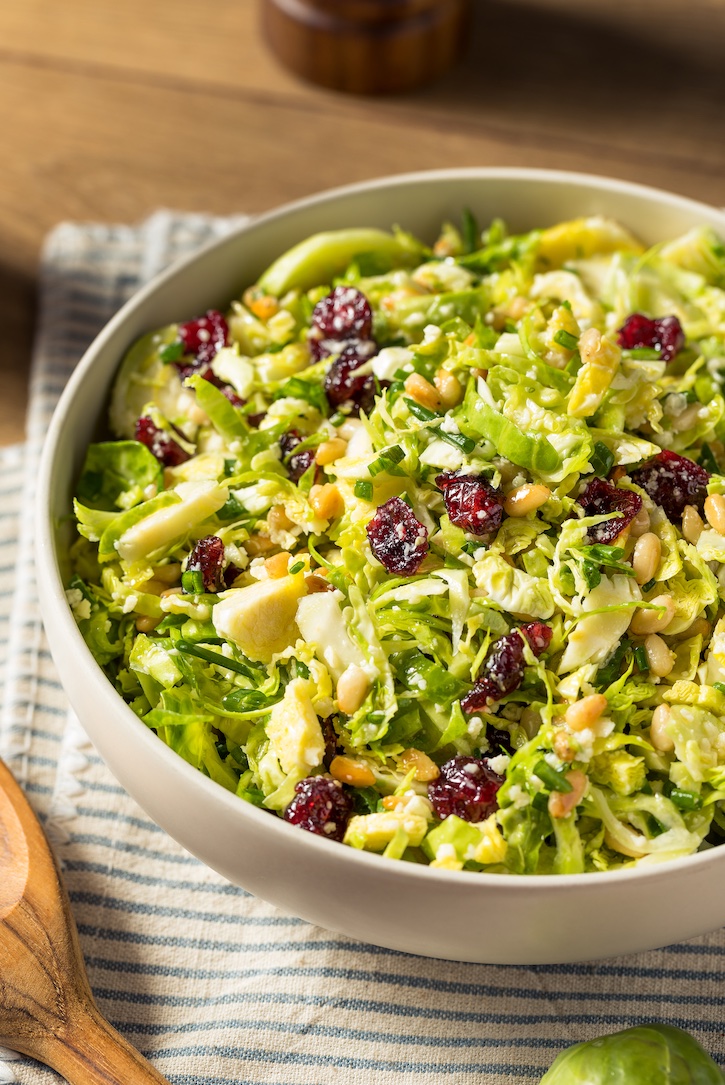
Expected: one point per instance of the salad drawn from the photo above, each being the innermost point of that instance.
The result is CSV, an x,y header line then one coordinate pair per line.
x,y
422,549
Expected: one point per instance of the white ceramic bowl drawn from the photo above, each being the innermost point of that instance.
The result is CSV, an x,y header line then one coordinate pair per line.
x,y
455,915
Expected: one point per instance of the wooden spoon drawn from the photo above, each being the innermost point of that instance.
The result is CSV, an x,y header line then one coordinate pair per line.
x,y
47,1009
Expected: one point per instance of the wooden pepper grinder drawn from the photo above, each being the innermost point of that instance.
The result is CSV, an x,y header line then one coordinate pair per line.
x,y
366,46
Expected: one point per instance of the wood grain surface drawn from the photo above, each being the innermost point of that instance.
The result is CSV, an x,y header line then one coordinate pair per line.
x,y
110,110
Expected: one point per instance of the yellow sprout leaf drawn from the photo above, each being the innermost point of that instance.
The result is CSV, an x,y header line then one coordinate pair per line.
x,y
294,730
582,238
261,617
600,361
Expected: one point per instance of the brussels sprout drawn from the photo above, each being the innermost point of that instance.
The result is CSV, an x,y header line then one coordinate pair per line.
x,y
647,1055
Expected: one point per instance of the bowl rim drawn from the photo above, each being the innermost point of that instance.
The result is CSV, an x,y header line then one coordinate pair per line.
x,y
53,592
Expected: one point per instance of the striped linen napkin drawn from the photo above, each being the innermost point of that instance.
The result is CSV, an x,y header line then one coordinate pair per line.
x,y
214,986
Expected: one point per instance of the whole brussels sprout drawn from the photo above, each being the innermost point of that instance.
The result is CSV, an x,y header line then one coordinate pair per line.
x,y
647,1055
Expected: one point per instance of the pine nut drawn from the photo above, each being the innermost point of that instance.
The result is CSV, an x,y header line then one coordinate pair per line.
x,y
425,768
449,387
423,392
586,712
715,512
660,659
561,745
692,525
650,621
145,623
646,557
445,246
329,451
561,803
277,565
518,306
699,628
257,545
315,583
640,524
352,689
155,587
278,520
350,771
392,802
525,499
262,305
168,574
326,501
658,734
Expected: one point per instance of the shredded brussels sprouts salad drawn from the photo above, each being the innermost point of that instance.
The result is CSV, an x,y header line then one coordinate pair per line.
x,y
423,549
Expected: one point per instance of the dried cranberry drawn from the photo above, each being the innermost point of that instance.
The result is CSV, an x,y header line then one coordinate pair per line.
x,y
673,481
397,539
466,787
329,734
498,741
231,573
227,391
503,671
207,558
664,334
301,461
472,503
207,373
538,634
205,336
601,497
320,806
344,384
344,314
168,451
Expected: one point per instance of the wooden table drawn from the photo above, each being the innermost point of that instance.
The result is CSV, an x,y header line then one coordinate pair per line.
x,y
109,110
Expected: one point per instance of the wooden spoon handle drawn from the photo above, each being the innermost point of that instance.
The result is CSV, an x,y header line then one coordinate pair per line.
x,y
91,1052
47,1009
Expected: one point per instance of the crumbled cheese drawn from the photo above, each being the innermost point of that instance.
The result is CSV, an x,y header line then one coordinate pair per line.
x,y
475,726
499,764
519,798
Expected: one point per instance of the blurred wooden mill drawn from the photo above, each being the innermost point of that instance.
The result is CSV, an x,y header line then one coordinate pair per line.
x,y
367,46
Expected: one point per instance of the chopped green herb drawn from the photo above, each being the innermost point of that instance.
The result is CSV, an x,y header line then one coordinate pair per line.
x,y
554,780
420,412
387,461
566,339
192,581
236,665
707,459
363,489
465,444
640,658
296,568
470,232
172,352
612,670
601,460
685,800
